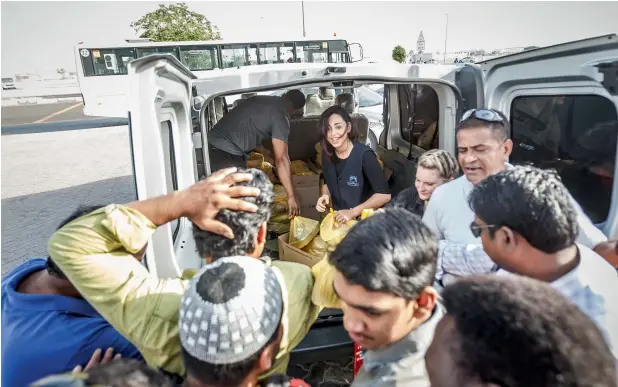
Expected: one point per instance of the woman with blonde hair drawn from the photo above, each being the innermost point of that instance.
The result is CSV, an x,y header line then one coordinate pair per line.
x,y
435,167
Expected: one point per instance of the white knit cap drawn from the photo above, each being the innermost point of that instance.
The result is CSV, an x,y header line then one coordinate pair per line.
x,y
236,328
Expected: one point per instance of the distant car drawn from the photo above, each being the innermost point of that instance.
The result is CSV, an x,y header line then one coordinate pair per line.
x,y
8,84
467,59
430,61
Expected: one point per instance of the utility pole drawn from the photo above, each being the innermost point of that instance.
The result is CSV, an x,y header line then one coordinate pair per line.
x,y
445,37
302,4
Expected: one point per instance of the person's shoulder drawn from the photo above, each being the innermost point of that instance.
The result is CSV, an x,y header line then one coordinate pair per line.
x,y
444,192
298,277
31,265
594,269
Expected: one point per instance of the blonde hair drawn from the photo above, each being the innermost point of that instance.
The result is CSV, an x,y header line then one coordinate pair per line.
x,y
441,161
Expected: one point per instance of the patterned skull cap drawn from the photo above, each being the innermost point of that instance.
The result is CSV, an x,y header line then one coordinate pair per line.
x,y
231,331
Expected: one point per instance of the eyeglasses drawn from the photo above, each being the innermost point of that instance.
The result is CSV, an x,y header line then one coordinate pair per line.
x,y
476,229
486,115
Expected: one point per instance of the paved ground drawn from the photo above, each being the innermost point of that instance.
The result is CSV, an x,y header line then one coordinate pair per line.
x,y
45,176
15,115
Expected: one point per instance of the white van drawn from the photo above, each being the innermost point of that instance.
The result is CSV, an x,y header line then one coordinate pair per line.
x,y
562,102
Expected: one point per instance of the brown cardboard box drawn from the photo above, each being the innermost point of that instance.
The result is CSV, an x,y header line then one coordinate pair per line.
x,y
292,254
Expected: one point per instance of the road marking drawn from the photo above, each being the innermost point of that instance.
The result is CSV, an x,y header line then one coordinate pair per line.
x,y
57,113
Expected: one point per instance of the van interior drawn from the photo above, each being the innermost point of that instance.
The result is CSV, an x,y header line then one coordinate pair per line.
x,y
406,124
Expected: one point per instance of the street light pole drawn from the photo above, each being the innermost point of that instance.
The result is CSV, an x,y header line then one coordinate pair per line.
x,y
302,4
445,37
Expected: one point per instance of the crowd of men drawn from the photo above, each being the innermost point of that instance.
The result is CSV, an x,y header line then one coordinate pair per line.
x,y
534,302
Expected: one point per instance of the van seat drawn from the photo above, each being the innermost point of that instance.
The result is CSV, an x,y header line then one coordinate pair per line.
x,y
304,134
360,121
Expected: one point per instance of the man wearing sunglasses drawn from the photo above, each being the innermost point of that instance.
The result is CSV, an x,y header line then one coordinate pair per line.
x,y
483,147
527,223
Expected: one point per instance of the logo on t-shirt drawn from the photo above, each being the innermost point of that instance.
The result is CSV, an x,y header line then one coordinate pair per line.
x,y
353,181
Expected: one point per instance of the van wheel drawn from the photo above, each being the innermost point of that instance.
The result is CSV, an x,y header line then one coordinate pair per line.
x,y
371,141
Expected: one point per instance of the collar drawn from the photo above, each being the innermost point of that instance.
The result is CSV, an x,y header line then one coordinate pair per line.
x,y
573,279
42,302
415,343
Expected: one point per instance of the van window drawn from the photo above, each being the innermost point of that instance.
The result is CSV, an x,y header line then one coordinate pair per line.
x,y
170,166
423,130
574,134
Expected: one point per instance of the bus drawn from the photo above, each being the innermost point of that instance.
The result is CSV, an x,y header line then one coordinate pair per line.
x,y
102,70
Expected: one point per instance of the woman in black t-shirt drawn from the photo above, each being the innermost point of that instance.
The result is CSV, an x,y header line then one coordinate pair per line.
x,y
353,177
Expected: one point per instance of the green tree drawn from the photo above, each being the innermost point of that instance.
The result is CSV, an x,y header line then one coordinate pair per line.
x,y
176,23
399,54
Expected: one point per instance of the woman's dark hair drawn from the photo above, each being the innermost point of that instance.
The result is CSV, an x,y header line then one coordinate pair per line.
x,y
327,149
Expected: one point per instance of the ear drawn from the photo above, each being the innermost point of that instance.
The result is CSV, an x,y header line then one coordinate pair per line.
x,y
425,303
349,127
268,355
508,147
260,237
508,239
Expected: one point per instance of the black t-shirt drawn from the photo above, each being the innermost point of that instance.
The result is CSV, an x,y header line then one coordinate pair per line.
x,y
250,123
372,173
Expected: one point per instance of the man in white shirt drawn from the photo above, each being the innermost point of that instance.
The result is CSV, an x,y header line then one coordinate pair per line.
x,y
484,146
526,221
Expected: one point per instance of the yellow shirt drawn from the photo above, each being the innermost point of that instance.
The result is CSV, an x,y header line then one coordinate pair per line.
x,y
95,253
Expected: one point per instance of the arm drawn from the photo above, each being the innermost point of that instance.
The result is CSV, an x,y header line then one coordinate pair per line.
x,y
282,162
372,173
593,238
463,259
96,252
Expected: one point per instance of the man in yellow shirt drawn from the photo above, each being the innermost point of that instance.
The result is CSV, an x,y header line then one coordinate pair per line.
x,y
98,254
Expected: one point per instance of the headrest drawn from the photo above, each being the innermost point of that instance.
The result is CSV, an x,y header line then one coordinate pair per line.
x,y
327,93
247,95
312,106
346,101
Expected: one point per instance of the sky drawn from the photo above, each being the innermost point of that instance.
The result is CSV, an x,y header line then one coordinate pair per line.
x,y
40,37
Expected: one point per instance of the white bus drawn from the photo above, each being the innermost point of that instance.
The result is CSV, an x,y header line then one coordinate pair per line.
x,y
102,69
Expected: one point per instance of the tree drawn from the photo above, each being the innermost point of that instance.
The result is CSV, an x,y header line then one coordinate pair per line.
x,y
173,23
399,54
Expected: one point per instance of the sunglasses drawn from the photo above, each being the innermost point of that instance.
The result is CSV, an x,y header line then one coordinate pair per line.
x,y
486,115
476,229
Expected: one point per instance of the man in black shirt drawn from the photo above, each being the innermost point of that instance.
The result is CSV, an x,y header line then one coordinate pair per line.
x,y
245,127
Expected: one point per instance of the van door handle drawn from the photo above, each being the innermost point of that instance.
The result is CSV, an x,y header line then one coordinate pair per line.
x,y
526,146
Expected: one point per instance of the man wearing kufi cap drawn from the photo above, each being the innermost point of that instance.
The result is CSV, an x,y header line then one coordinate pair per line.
x,y
97,252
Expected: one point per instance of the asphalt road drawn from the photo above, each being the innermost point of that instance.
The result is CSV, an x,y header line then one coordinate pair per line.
x,y
30,114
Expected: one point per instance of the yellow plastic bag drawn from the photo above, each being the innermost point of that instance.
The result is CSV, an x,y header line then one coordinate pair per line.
x,y
300,168
302,231
332,232
317,247
279,228
255,160
367,212
323,293
269,170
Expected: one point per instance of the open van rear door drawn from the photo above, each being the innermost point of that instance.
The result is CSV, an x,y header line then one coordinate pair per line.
x,y
162,146
562,102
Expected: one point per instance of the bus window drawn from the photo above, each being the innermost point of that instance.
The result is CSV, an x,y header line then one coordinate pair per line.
x,y
198,58
111,61
239,55
312,52
276,53
145,51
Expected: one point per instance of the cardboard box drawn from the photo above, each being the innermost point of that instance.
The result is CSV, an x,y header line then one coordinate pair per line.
x,y
292,254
